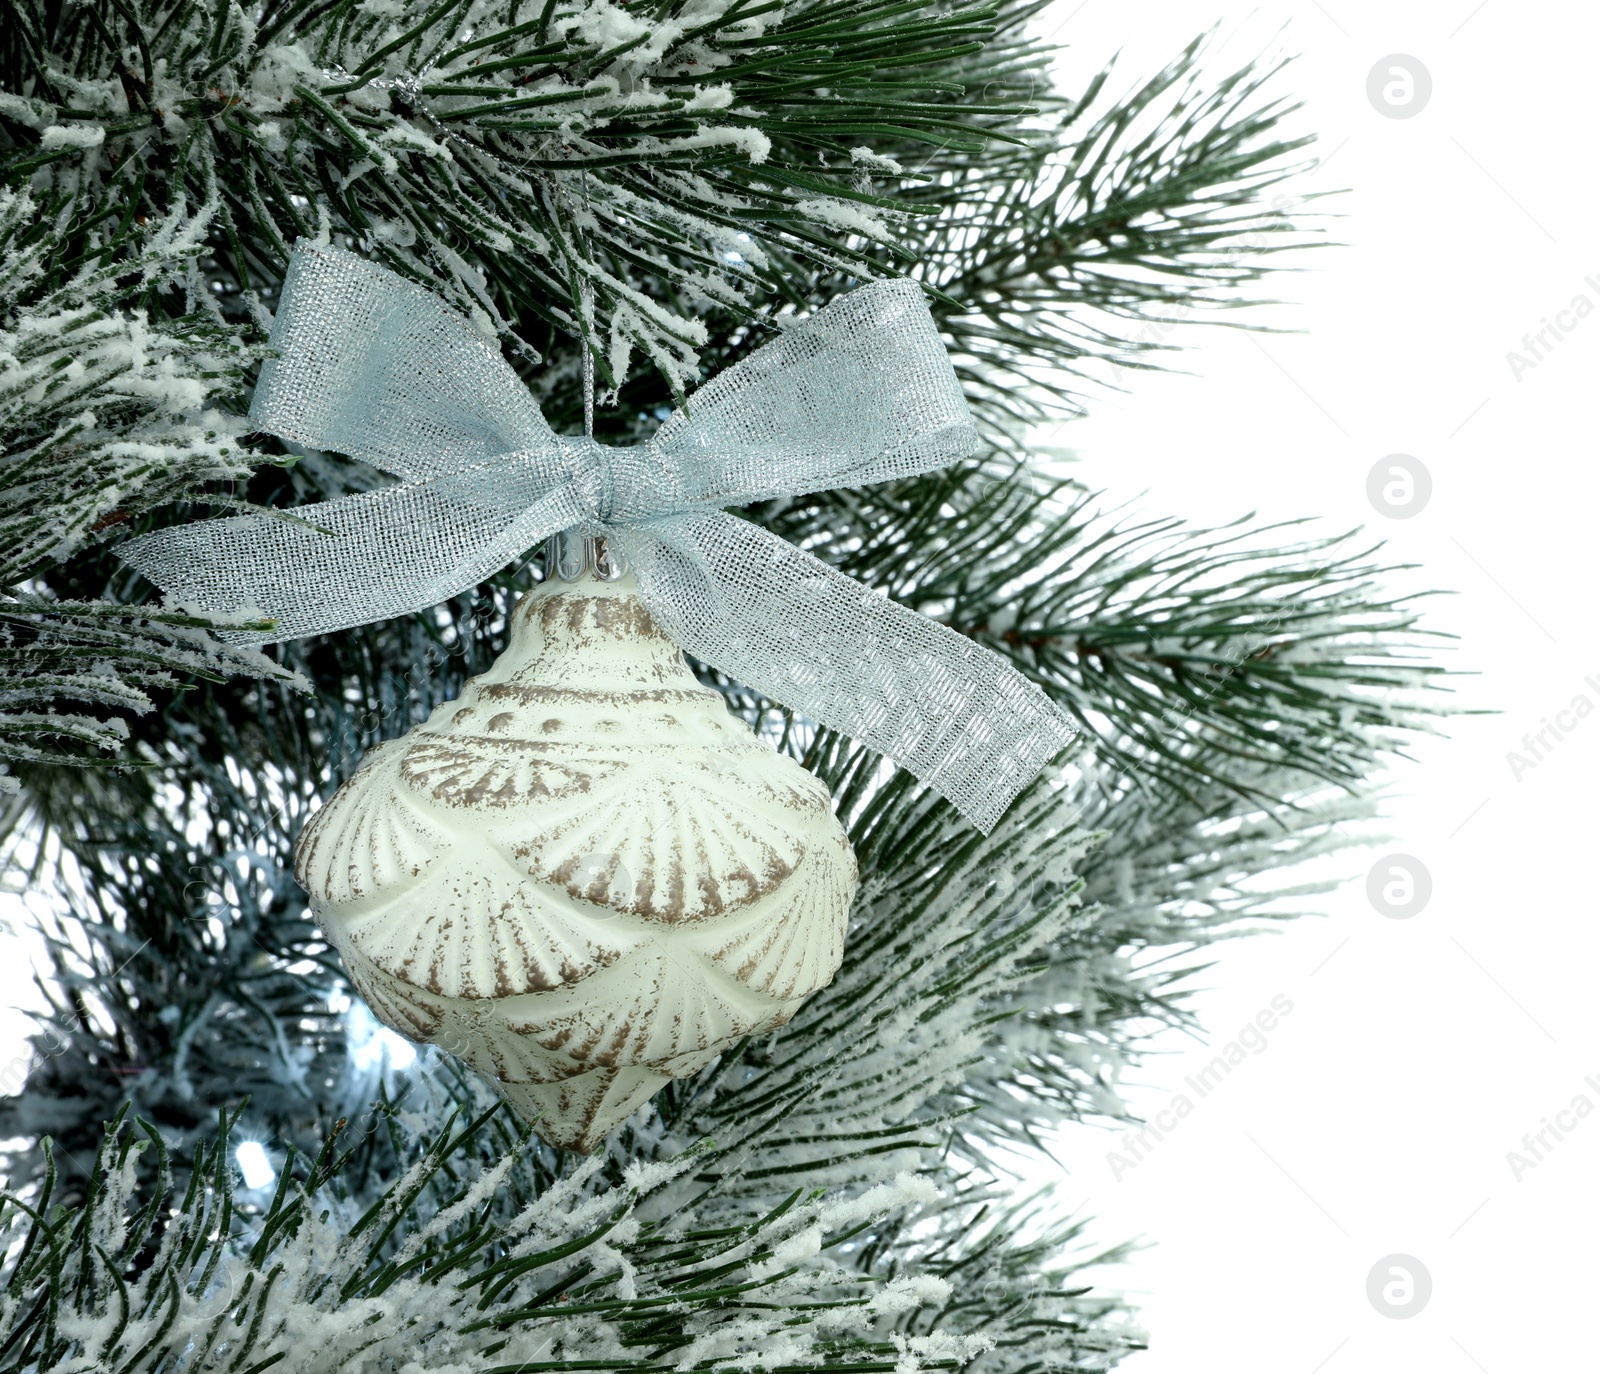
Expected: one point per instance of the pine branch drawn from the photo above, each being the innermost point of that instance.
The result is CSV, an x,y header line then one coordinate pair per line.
x,y
565,161
583,1276
1083,246
105,414
1189,657
821,1197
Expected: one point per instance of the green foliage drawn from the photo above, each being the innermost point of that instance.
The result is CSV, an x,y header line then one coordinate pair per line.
x,y
464,1263
1130,212
658,184
662,197
108,409
1188,656
553,171
723,163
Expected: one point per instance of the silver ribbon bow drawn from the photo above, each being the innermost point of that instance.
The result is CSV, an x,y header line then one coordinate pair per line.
x,y
862,391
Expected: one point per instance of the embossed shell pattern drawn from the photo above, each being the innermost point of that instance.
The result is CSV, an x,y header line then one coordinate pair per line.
x,y
585,877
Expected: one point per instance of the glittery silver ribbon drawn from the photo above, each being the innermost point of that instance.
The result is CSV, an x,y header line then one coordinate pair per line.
x,y
862,391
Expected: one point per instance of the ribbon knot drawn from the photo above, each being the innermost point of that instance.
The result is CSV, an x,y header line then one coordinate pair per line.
x,y
372,366
594,483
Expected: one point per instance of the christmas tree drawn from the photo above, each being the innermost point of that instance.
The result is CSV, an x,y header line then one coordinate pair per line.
x,y
217,1160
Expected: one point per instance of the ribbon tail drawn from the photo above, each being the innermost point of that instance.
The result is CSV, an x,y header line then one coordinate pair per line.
x,y
954,714
358,559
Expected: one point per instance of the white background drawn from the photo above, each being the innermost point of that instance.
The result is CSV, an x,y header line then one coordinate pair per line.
x,y
1419,1051
1379,1117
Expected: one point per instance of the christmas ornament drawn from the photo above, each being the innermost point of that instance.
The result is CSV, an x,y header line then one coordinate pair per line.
x,y
585,877
594,888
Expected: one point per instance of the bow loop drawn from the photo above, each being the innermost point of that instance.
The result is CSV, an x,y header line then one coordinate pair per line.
x,y
358,349
862,391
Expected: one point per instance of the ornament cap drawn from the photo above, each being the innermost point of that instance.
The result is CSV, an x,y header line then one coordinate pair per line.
x,y
569,556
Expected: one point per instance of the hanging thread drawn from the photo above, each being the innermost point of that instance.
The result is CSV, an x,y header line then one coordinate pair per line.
x,y
586,297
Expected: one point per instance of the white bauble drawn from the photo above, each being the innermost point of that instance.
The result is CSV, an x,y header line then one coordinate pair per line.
x,y
585,877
